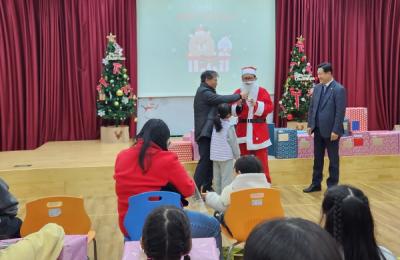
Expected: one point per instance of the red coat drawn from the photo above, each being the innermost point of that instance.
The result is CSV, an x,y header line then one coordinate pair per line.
x,y
164,168
254,135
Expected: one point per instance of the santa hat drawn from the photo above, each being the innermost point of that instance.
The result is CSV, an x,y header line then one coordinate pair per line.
x,y
249,70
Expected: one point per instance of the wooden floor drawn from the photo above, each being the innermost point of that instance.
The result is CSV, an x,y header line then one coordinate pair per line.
x,y
85,168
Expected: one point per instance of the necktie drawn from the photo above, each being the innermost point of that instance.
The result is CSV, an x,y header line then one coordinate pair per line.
x,y
323,92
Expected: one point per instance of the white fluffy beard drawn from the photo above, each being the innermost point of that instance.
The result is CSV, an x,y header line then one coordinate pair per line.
x,y
247,86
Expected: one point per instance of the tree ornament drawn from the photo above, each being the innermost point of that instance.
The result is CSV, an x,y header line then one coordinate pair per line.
x,y
119,92
289,117
117,67
116,103
102,97
111,38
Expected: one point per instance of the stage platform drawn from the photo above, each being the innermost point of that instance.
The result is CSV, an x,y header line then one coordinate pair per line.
x,y
85,168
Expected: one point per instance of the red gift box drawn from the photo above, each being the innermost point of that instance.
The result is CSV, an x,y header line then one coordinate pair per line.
x,y
358,118
183,149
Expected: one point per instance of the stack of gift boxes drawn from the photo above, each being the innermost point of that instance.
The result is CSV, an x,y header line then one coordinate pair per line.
x,y
291,143
357,140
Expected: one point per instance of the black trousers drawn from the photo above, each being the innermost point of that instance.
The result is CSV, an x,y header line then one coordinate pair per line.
x,y
320,144
10,227
203,175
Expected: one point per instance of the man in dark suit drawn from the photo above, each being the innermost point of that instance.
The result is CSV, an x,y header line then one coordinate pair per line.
x,y
205,106
325,120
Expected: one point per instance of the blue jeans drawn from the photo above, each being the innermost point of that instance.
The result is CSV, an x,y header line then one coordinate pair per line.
x,y
205,226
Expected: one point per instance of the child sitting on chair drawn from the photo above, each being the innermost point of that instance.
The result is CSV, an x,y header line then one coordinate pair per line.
x,y
249,175
166,234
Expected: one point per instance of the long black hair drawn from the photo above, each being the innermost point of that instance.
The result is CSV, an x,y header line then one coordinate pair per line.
x,y
166,234
348,219
224,110
290,238
154,131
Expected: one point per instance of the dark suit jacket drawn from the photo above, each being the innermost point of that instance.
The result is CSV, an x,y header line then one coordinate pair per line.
x,y
331,110
205,106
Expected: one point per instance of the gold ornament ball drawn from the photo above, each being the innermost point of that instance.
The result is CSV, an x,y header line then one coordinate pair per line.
x,y
119,92
125,76
116,103
124,70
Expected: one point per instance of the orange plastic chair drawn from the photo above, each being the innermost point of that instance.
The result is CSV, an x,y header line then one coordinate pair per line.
x,y
68,212
248,208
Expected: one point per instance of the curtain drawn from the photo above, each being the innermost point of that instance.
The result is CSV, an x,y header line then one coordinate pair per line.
x,y
361,38
49,77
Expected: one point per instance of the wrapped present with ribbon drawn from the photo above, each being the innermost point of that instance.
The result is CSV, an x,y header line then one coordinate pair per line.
x,y
305,145
285,143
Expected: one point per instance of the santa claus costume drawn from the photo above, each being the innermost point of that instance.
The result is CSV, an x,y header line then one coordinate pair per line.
x,y
252,130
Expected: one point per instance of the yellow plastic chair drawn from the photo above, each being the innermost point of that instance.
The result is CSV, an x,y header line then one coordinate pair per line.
x,y
68,212
248,208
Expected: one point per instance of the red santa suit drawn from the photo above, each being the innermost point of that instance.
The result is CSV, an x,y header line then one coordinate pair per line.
x,y
251,130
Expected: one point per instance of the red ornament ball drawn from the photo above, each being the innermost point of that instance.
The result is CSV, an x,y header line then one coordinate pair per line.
x,y
303,58
289,117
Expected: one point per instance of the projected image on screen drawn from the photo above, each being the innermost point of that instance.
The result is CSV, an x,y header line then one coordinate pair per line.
x,y
179,39
206,54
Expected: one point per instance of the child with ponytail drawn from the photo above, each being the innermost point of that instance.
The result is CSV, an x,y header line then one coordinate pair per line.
x,y
224,148
348,219
166,234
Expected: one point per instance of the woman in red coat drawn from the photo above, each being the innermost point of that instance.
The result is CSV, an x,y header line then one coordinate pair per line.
x,y
149,166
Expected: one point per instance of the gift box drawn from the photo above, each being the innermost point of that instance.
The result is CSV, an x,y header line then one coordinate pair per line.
x,y
305,145
361,142
346,145
358,118
195,147
271,148
397,130
183,149
285,143
186,137
384,142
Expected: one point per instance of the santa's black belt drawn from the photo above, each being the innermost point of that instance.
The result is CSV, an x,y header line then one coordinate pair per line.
x,y
258,120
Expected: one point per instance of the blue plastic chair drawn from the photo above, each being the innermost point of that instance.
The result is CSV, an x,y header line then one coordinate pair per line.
x,y
141,205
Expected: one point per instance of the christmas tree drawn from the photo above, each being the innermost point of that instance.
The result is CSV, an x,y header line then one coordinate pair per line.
x,y
115,98
297,89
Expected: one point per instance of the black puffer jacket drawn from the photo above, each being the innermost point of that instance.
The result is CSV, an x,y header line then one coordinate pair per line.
x,y
205,106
